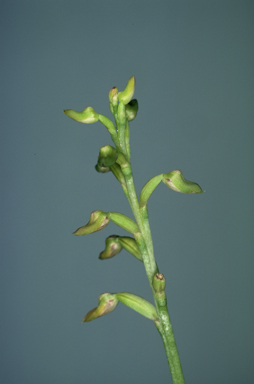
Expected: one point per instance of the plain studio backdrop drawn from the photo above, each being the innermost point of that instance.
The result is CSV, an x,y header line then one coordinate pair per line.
x,y
193,62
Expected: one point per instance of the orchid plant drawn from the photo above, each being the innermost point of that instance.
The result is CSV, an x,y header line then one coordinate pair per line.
x,y
116,159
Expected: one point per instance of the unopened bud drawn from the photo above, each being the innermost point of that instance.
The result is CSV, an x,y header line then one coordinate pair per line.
x,y
87,116
159,282
113,98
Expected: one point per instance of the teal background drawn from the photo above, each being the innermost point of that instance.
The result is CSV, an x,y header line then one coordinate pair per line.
x,y
193,63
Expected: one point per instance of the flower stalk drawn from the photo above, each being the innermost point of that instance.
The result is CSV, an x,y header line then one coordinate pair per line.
x,y
117,160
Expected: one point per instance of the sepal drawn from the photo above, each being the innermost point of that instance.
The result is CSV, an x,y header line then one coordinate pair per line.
x,y
138,304
175,181
87,116
98,221
126,95
107,303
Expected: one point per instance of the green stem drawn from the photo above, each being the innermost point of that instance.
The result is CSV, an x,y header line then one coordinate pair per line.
x,y
165,329
144,241
147,252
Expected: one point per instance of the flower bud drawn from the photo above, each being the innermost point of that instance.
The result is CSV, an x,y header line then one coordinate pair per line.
x,y
138,304
107,303
98,220
123,221
131,109
175,181
113,247
107,156
126,95
159,282
87,116
113,96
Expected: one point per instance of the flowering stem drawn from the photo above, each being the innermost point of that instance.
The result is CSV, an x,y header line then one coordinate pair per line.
x,y
145,244
117,160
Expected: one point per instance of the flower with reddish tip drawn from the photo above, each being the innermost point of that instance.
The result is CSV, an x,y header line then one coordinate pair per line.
x,y
113,247
98,221
107,303
175,181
